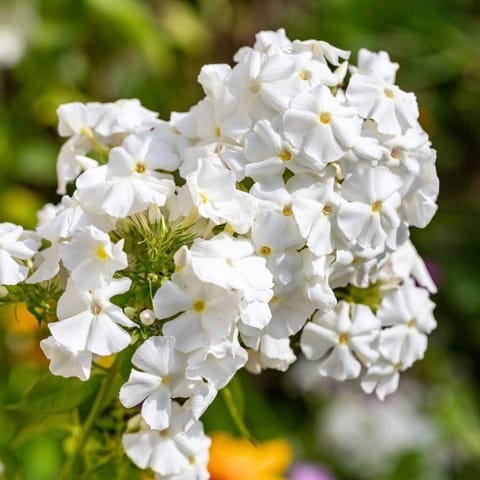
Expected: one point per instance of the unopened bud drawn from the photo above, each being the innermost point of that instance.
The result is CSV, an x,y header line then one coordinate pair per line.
x,y
147,317
129,312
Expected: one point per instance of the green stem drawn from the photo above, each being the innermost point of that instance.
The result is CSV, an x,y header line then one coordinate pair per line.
x,y
235,413
97,407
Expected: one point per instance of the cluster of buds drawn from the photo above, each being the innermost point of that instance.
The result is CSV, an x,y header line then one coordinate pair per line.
x,y
277,207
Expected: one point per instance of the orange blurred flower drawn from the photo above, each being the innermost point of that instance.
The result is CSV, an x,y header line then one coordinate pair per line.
x,y
238,459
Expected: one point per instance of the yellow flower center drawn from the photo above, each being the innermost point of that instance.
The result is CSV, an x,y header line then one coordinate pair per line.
x,y
274,299
285,155
395,153
388,93
140,167
327,210
102,253
255,88
96,309
411,323
287,210
376,206
265,250
343,338
218,131
204,198
305,75
325,118
199,306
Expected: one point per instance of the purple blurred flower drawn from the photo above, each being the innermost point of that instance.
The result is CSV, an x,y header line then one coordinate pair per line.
x,y
309,471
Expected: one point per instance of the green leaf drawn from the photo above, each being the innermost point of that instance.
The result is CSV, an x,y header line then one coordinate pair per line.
x,y
234,401
51,394
60,424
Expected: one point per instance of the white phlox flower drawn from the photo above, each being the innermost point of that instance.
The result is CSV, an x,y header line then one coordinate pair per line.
x,y
317,122
403,264
315,206
321,50
217,363
231,263
213,192
169,451
271,216
71,161
408,314
342,340
382,377
69,217
88,321
160,379
273,353
66,362
419,202
393,109
268,153
270,42
275,216
124,116
14,248
263,83
129,182
369,217
311,72
376,62
92,257
207,313
317,280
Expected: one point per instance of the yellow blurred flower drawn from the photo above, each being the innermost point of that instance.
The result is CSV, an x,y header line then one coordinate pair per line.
x,y
238,459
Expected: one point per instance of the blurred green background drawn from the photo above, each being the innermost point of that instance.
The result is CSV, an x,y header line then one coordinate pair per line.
x,y
57,51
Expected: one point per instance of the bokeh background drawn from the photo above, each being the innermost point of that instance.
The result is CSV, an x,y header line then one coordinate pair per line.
x,y
57,51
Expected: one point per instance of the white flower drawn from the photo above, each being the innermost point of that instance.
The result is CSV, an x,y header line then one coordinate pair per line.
x,y
69,217
162,378
213,191
274,353
316,271
382,377
92,258
66,362
321,125
315,205
208,312
14,247
124,116
275,216
321,50
223,118
376,62
88,321
217,363
408,312
262,83
335,336
231,263
268,154
71,161
393,109
167,452
129,182
370,216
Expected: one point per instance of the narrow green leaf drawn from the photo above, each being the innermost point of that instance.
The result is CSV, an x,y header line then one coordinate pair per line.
x,y
230,396
51,394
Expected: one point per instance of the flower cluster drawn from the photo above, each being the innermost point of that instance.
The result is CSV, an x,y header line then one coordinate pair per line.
x,y
278,206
